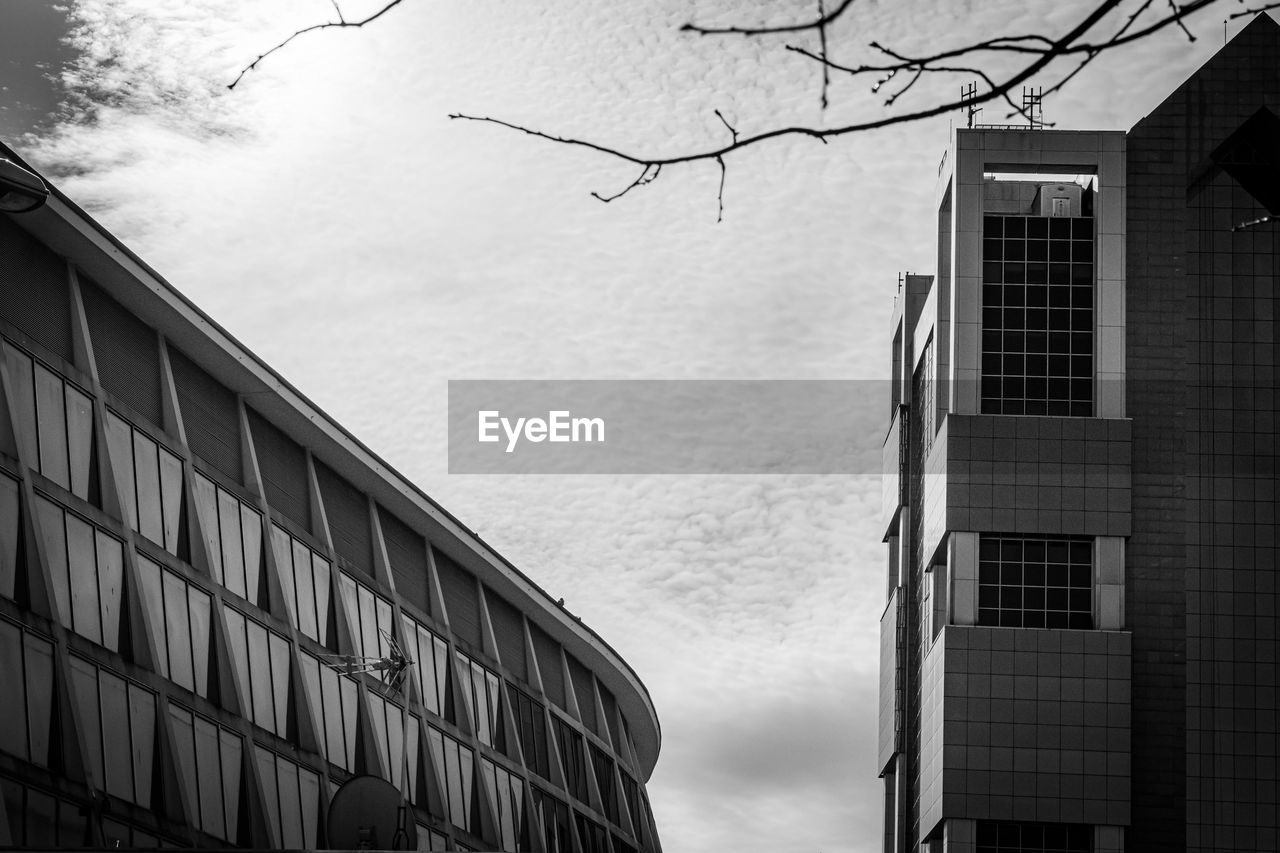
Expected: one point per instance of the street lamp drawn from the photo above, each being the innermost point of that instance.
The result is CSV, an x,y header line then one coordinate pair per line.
x,y
20,190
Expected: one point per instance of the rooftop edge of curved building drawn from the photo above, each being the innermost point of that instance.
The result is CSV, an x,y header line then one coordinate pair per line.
x,y
88,245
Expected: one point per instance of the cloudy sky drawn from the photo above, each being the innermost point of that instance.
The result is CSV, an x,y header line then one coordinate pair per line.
x,y
330,215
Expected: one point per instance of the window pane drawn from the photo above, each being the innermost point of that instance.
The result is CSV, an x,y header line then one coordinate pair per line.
x,y
383,626
51,418
178,629
171,498
282,552
251,539
153,595
311,683
79,440
412,753
39,688
320,574
231,752
184,747
239,657
13,701
142,722
24,400
207,511
436,740
118,758
260,675
280,682
348,589
368,624
111,586
199,605
208,756
54,536
309,791
290,804
378,720
8,536
442,673
232,553
86,618
350,695
120,447
395,744
305,588
147,471
270,791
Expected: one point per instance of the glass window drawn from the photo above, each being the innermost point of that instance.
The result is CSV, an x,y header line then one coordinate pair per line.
x,y
602,766
554,814
9,533
51,426
631,796
369,617
150,479
86,567
304,575
117,720
593,836
26,700
292,795
232,533
430,656
482,701
209,757
532,728
333,700
507,797
179,617
454,769
1008,837
569,744
1035,582
261,664
40,820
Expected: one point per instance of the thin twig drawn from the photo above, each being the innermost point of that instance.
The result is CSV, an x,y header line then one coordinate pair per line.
x,y
341,23
720,194
725,122
822,45
648,175
818,23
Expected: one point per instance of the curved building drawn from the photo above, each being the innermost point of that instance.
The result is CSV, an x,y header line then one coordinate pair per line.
x,y
205,584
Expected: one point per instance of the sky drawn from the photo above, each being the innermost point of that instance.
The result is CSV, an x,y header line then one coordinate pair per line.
x,y
330,215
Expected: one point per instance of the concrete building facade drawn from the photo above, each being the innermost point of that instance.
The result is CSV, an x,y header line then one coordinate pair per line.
x,y
1079,644
217,606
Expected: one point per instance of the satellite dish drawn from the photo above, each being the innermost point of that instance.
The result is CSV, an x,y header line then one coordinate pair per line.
x,y
368,813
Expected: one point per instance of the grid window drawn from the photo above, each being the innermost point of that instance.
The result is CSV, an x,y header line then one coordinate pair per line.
x,y
151,479
569,743
1035,582
87,569
483,702
118,721
304,574
369,617
233,536
209,758
58,416
38,820
395,743
261,665
631,794
602,765
593,836
1037,315
507,791
9,533
557,836
333,708
180,626
1011,837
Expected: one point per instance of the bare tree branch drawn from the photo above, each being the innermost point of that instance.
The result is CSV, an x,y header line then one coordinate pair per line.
x,y
648,175
816,24
341,23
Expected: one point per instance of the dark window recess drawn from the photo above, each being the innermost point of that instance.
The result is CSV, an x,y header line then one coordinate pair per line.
x,y
557,833
283,464
35,295
347,510
126,350
569,743
461,601
531,727
602,766
593,836
210,415
1011,837
1251,155
1028,582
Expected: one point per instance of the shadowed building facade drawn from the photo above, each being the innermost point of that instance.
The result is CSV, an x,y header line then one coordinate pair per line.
x,y
1079,646
192,555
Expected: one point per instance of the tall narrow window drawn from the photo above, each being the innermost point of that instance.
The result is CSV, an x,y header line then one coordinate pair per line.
x,y
304,574
292,797
179,617
369,616
9,533
233,536
557,834
58,416
480,691
532,727
569,743
209,758
454,768
602,766
333,700
397,745
87,571
150,478
26,693
1035,582
507,792
431,660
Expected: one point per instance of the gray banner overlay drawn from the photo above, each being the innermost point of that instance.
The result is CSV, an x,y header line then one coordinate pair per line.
x,y
667,426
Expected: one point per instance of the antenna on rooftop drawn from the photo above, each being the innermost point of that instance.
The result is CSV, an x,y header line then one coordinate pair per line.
x,y
968,95
1033,106
391,669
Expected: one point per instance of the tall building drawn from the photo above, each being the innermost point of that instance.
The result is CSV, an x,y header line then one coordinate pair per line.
x,y
217,606
1079,647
